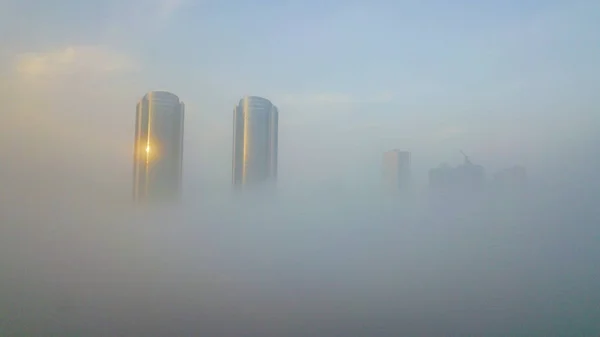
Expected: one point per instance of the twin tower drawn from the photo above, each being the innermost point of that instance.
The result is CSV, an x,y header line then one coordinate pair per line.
x,y
158,146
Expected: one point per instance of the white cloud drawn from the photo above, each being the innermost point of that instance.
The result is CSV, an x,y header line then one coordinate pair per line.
x,y
69,111
74,60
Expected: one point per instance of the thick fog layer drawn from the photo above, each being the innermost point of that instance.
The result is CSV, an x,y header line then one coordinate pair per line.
x,y
301,264
327,253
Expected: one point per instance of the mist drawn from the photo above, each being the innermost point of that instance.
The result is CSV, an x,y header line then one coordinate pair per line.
x,y
327,252
300,262
323,254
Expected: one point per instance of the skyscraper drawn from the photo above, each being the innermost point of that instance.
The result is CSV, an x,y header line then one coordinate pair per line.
x,y
158,148
396,170
255,125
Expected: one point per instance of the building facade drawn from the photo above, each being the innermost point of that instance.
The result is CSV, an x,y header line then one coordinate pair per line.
x,y
158,147
255,142
396,170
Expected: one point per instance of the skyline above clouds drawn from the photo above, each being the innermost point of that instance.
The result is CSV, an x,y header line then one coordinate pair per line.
x,y
351,79
509,82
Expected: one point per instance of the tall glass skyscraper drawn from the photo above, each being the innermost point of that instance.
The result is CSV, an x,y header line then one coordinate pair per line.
x,y
255,125
158,148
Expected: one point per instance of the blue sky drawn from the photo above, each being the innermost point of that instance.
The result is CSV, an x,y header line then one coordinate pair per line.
x,y
507,81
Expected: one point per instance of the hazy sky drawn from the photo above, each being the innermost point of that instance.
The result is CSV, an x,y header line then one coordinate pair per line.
x,y
509,82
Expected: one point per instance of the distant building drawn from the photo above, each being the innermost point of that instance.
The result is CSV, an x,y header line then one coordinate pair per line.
x,y
442,177
255,142
467,177
158,147
470,177
396,170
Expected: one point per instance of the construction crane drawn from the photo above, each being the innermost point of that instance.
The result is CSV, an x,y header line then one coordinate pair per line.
x,y
467,160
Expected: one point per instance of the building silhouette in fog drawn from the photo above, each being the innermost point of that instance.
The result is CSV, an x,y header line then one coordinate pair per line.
x,y
396,170
467,177
158,147
255,141
441,177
